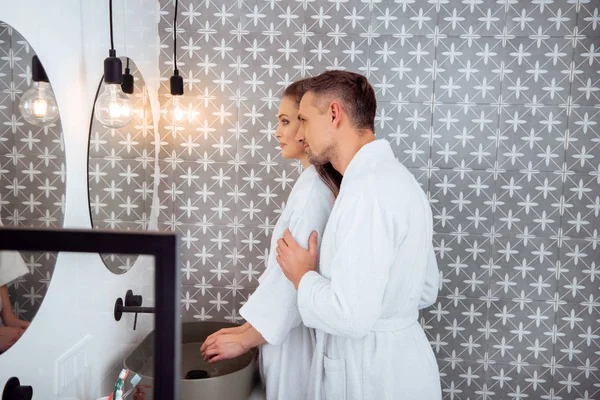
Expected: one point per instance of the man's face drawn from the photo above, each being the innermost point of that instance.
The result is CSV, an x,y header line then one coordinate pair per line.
x,y
315,130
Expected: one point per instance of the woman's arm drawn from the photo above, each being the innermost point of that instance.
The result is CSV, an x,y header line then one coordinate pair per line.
x,y
230,345
7,314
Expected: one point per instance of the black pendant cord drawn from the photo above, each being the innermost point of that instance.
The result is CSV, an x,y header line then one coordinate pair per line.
x,y
175,38
127,64
110,12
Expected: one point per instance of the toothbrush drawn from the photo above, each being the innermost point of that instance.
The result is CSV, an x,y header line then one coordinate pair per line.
x,y
134,381
119,384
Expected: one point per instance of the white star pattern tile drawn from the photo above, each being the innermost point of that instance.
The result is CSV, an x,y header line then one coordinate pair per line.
x,y
493,105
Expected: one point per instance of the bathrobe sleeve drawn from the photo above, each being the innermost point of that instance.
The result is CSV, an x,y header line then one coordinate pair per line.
x,y
350,302
12,266
432,281
273,307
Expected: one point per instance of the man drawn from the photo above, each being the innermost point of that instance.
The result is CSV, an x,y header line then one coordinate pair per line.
x,y
377,266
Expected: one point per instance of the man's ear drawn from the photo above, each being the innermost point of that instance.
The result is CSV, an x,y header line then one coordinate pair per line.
x,y
335,113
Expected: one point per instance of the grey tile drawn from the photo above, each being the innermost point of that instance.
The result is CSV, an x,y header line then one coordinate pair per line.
x,y
576,345
265,64
462,202
537,71
395,17
112,191
485,18
587,19
265,191
578,278
535,136
528,203
204,192
320,17
464,264
256,126
253,244
401,66
582,196
215,141
464,137
529,381
260,16
584,139
469,71
459,329
466,379
206,255
521,330
524,268
407,127
353,17
554,19
323,52
167,193
585,89
575,383
39,185
218,304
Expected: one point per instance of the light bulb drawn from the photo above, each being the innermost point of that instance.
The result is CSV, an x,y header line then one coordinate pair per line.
x,y
38,105
176,111
113,108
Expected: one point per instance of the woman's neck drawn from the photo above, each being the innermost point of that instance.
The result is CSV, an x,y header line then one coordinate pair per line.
x,y
304,161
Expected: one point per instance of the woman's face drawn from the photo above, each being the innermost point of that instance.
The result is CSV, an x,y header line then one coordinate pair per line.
x,y
287,128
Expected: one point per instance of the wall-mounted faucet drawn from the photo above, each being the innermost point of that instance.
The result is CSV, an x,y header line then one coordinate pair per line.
x,y
132,304
13,390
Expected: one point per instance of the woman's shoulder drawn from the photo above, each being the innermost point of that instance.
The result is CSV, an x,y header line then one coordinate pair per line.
x,y
310,192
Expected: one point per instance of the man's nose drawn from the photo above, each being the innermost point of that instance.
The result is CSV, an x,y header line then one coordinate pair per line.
x,y
300,134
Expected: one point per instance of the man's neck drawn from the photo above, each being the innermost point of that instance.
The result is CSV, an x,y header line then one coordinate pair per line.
x,y
348,149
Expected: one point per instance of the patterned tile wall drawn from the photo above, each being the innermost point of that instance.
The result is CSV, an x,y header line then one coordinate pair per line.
x,y
495,107
121,172
32,171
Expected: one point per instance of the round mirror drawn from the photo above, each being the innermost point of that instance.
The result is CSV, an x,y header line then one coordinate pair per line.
x,y
121,159
32,178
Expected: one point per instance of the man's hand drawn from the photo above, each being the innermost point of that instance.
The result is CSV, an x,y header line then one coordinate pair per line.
x,y
294,260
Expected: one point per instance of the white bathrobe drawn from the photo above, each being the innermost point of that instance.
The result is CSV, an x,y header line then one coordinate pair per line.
x,y
272,309
12,267
376,271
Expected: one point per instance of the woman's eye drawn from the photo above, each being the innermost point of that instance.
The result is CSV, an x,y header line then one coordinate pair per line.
x,y
284,122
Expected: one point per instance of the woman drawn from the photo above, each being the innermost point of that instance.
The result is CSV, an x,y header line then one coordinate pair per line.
x,y
273,319
12,267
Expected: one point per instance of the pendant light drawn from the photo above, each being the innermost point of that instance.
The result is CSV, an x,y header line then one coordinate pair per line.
x,y
38,104
128,80
176,111
113,108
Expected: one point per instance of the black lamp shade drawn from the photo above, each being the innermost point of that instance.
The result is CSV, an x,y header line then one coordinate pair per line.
x,y
128,82
176,84
113,69
38,73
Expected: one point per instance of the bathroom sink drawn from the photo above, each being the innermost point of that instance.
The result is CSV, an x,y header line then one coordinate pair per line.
x,y
229,379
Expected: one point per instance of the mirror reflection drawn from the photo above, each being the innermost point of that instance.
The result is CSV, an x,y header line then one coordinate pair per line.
x,y
121,160
32,178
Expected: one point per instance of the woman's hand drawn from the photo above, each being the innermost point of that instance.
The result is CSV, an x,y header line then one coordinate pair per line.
x,y
223,346
16,323
235,331
9,336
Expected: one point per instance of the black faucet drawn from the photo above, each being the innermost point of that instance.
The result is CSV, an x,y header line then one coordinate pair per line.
x,y
14,391
133,304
